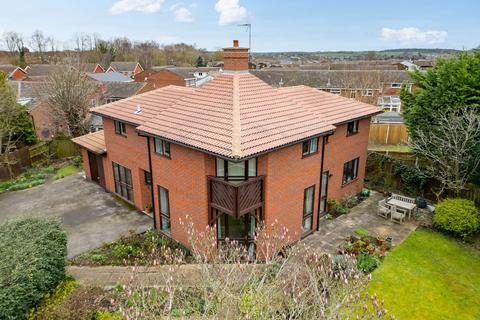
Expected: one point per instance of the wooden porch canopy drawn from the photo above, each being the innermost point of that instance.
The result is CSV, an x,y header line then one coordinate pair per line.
x,y
94,142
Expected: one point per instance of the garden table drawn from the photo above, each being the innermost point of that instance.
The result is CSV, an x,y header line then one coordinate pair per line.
x,y
402,204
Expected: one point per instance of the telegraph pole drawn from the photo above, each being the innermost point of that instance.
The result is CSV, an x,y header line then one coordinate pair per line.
x,y
249,26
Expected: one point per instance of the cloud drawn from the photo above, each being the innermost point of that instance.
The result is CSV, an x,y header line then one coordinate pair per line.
x,y
414,35
145,6
183,15
230,11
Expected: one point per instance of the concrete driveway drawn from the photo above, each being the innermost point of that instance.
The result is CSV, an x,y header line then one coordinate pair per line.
x,y
90,215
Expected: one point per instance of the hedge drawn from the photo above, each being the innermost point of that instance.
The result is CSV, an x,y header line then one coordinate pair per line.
x,y
458,216
33,254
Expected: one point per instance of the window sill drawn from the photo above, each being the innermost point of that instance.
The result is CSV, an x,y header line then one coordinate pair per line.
x,y
349,182
162,155
309,154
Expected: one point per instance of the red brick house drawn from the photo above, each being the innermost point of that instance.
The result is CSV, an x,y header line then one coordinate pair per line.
x,y
231,153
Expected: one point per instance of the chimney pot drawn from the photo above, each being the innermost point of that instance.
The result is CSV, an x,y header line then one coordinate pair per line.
x,y
235,43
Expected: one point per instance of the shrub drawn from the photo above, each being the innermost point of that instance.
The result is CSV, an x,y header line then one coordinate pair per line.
x,y
337,208
367,262
33,252
458,216
362,232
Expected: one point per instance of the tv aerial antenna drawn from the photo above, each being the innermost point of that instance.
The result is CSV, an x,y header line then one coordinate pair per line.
x,y
249,27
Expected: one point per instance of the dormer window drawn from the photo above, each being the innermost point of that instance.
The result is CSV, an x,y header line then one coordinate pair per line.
x,y
352,127
120,128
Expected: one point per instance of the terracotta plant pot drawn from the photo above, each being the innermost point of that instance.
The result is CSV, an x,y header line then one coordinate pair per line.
x,y
148,210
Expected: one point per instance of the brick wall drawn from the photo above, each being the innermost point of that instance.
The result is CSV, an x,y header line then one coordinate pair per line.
x,y
184,174
287,176
340,149
129,151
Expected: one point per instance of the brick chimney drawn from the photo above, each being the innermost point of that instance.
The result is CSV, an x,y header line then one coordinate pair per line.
x,y
235,58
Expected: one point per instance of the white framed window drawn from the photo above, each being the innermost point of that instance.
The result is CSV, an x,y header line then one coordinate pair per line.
x,y
336,91
395,85
368,92
390,103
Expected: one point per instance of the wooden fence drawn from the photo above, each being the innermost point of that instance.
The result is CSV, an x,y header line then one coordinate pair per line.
x,y
27,156
388,134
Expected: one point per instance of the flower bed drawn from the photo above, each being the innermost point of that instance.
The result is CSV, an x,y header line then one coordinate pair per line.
x,y
368,250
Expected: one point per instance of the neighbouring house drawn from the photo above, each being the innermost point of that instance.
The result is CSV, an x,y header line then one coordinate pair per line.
x,y
130,69
13,72
92,68
29,94
233,153
160,76
39,72
376,87
109,77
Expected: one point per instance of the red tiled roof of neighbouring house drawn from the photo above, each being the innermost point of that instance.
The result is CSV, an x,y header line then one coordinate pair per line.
x,y
94,142
236,115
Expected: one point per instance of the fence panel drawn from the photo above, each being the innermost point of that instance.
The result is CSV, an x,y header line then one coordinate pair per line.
x,y
388,134
62,148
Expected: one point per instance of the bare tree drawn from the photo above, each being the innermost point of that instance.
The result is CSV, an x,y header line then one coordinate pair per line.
x,y
451,147
68,94
14,42
39,43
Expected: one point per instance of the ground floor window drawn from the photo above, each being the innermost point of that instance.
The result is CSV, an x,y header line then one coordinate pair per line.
x,y
350,170
164,206
241,230
123,181
308,199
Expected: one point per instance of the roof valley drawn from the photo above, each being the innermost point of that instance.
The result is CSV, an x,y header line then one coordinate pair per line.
x,y
236,123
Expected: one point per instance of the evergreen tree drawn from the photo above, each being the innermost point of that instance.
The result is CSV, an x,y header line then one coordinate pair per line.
x,y
200,62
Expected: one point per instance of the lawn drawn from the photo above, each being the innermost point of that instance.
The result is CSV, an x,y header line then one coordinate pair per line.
x,y
66,171
430,276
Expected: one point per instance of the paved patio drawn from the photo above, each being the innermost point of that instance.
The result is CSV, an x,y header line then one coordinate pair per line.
x,y
364,215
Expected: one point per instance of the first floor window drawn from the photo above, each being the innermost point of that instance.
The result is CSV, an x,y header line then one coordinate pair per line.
x,y
164,209
368,92
236,171
123,181
352,127
120,127
350,170
308,198
310,147
162,147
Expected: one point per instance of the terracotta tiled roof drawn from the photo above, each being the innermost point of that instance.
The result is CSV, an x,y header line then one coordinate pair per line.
x,y
94,142
236,115
151,104
332,108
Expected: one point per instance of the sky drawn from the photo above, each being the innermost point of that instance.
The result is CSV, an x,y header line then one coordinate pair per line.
x,y
280,25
